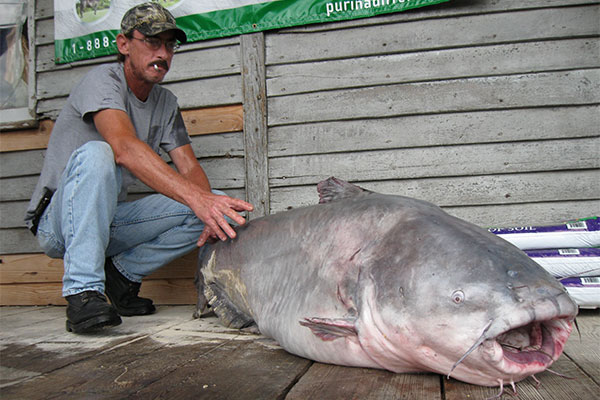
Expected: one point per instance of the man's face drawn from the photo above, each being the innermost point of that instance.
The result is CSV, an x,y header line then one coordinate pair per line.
x,y
149,57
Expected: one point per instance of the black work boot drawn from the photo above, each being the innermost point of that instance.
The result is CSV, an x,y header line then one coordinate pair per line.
x,y
123,293
89,311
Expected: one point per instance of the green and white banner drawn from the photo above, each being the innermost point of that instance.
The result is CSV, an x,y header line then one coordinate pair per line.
x,y
88,28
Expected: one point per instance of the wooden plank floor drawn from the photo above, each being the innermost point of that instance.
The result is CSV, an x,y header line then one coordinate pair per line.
x,y
170,355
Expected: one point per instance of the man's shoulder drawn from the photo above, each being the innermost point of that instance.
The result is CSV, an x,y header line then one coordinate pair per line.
x,y
102,73
100,77
102,87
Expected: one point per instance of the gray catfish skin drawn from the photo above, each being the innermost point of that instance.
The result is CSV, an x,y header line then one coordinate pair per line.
x,y
373,280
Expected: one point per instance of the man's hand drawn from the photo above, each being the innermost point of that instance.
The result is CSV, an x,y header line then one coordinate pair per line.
x,y
207,236
212,210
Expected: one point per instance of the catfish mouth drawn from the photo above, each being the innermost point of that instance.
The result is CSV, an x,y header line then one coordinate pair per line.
x,y
533,347
530,344
518,352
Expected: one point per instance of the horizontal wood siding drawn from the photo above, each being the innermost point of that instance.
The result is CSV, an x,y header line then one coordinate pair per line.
x,y
546,89
35,279
489,109
494,22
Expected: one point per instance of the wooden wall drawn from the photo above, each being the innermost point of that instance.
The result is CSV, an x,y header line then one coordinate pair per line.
x,y
489,109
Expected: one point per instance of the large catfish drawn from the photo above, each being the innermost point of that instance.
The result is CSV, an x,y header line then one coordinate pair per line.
x,y
373,280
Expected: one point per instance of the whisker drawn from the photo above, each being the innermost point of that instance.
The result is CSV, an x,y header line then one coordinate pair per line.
x,y
514,388
537,382
499,395
577,327
521,350
578,274
475,345
510,346
559,374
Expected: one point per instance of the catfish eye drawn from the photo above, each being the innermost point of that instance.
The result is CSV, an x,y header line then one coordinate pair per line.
x,y
458,296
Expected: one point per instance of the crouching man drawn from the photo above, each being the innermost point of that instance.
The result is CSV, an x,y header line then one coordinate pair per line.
x,y
114,124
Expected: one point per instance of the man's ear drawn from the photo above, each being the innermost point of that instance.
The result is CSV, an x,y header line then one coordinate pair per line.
x,y
123,44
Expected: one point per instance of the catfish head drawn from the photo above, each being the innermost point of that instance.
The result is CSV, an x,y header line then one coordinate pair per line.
x,y
451,298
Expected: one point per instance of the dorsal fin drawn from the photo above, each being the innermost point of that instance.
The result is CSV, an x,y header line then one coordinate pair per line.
x,y
332,189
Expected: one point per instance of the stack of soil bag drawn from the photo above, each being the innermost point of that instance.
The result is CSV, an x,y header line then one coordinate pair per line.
x,y
569,251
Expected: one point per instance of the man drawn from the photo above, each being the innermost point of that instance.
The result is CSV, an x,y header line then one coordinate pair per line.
x,y
114,124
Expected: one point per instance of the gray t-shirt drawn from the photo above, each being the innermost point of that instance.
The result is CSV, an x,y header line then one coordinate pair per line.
x,y
157,122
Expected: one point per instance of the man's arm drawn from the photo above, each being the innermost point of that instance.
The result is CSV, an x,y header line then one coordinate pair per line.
x,y
135,155
188,166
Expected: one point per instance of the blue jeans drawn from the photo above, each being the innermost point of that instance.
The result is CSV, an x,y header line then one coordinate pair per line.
x,y
85,223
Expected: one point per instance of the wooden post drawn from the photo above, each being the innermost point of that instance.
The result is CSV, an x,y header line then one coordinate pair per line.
x,y
254,89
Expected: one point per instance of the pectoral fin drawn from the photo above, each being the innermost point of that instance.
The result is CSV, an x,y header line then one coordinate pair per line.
x,y
330,328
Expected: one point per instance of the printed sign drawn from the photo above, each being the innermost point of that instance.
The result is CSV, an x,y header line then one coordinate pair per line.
x,y
88,28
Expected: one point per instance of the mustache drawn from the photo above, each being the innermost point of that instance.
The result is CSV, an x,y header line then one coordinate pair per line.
x,y
160,63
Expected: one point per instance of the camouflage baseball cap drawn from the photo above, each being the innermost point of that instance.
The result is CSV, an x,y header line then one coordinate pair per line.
x,y
150,19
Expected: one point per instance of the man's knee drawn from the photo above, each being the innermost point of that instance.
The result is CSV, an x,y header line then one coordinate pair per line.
x,y
96,158
97,153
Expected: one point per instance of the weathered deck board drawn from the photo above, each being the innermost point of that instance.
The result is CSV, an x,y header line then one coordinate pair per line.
x,y
552,387
149,369
229,370
586,351
170,355
324,381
